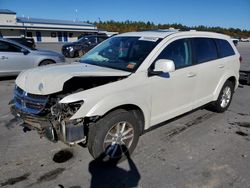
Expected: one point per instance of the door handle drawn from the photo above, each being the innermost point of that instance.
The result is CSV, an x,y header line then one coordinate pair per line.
x,y
4,57
191,74
221,66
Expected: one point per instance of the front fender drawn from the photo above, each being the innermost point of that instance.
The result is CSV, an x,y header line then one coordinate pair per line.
x,y
108,103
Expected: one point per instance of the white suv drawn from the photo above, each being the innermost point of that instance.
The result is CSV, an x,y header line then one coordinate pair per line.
x,y
125,85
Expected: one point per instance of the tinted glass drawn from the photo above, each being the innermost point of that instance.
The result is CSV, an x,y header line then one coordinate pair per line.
x,y
92,40
179,52
8,47
224,48
204,49
100,39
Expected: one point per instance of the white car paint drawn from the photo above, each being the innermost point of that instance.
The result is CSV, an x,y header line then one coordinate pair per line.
x,y
158,98
52,77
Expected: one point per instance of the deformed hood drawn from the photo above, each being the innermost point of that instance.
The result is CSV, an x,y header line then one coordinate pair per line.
x,y
51,78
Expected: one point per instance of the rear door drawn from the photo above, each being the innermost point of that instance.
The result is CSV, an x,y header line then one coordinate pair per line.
x,y
210,68
12,59
174,93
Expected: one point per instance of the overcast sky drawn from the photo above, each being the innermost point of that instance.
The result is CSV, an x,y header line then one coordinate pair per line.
x,y
224,13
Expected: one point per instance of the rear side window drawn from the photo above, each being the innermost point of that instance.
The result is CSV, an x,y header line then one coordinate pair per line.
x,y
224,48
179,52
204,49
100,39
8,47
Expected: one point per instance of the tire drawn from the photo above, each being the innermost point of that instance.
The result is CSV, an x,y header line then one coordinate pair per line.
x,y
224,98
72,54
46,62
105,145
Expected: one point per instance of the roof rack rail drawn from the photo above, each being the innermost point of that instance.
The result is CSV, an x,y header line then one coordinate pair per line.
x,y
161,30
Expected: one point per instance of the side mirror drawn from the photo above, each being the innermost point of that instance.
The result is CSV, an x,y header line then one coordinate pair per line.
x,y
25,51
162,66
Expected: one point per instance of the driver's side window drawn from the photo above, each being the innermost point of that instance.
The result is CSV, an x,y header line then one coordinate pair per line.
x,y
179,52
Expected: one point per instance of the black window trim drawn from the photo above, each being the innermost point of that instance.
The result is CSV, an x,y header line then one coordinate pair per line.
x,y
194,53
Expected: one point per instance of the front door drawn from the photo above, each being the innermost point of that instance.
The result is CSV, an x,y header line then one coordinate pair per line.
x,y
12,59
174,94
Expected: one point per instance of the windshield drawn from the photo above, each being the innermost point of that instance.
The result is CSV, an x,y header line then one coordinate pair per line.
x,y
122,53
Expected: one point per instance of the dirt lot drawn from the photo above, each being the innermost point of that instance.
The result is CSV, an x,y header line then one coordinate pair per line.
x,y
200,149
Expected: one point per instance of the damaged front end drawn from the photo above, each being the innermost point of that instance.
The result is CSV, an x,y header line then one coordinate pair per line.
x,y
69,131
51,118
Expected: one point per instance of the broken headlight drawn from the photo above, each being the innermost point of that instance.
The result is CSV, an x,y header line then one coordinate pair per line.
x,y
65,110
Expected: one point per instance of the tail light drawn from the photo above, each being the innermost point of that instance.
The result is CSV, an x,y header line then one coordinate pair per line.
x,y
240,59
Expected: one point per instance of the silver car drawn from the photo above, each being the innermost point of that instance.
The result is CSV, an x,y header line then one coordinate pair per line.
x,y
15,57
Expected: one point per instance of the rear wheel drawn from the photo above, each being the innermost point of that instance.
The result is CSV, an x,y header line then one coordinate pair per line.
x,y
224,99
46,62
114,137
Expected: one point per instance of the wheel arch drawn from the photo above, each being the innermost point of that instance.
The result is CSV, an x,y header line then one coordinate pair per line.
x,y
135,110
226,78
46,60
233,80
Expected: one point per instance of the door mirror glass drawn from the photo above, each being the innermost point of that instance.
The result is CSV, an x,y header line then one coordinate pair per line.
x,y
164,66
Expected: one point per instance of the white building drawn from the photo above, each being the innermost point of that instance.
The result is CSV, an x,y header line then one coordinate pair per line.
x,y
42,30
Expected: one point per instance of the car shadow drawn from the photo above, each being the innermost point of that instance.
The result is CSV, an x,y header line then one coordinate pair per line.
x,y
108,175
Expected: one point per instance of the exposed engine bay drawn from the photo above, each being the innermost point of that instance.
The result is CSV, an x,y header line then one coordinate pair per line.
x,y
50,118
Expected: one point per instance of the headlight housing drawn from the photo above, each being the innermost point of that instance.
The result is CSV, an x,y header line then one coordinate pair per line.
x,y
65,110
70,48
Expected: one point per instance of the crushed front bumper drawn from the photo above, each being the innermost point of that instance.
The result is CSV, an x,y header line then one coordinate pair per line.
x,y
66,132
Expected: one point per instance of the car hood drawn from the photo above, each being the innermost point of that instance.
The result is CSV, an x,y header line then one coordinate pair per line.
x,y
51,78
45,52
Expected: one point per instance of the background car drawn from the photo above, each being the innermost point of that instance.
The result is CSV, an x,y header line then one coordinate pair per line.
x,y
83,45
235,41
29,42
15,57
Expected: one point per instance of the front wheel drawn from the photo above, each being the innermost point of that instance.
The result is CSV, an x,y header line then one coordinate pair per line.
x,y
224,99
46,62
114,137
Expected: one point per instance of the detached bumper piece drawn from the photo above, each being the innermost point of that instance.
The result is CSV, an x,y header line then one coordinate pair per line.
x,y
69,132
